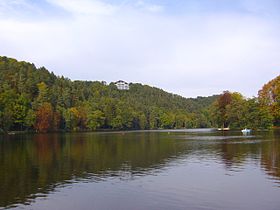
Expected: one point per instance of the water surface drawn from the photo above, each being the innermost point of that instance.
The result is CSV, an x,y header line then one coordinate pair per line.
x,y
169,169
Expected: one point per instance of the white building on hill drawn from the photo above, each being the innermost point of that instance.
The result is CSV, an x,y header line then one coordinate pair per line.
x,y
122,85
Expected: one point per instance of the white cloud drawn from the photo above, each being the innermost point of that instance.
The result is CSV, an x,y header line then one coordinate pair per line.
x,y
154,8
85,7
14,8
190,55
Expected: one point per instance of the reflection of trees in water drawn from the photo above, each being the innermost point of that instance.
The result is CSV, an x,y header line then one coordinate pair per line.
x,y
235,153
270,157
267,151
35,164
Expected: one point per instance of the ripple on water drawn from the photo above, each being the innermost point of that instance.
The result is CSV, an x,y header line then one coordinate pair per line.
x,y
152,171
213,138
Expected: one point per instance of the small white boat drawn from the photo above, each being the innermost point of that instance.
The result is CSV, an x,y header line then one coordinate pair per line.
x,y
246,131
223,129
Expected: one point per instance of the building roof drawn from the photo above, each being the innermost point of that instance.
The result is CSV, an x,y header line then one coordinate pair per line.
x,y
121,81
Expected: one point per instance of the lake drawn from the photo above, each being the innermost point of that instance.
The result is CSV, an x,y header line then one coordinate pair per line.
x,y
167,169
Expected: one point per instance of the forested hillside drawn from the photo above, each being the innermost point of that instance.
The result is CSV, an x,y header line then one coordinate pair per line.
x,y
35,99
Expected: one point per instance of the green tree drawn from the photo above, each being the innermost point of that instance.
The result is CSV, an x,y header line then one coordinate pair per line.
x,y
236,111
7,103
20,110
43,93
258,116
95,119
30,119
117,122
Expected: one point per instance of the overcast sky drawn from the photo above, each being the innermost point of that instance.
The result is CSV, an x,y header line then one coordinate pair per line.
x,y
188,47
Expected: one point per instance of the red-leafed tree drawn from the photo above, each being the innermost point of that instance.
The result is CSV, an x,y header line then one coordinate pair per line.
x,y
223,101
44,117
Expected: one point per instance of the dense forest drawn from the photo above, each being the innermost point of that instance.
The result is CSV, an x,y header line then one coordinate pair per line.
x,y
35,99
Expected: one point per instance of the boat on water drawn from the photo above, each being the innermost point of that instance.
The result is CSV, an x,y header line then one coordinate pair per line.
x,y
223,129
246,131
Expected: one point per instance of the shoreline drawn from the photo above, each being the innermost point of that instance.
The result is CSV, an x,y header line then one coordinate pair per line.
x,y
10,133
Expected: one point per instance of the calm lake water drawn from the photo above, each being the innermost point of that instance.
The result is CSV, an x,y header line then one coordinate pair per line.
x,y
180,169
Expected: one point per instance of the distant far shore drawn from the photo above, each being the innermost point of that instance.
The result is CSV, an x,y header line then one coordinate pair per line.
x,y
130,130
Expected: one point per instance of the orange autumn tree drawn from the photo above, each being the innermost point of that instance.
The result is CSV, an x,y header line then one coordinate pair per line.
x,y
44,117
269,96
78,117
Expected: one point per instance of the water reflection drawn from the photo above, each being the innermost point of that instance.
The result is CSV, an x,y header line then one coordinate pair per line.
x,y
34,165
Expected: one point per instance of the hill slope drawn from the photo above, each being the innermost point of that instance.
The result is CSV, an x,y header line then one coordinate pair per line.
x,y
34,98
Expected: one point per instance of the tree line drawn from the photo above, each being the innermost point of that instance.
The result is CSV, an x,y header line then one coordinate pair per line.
x,y
35,99
262,112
